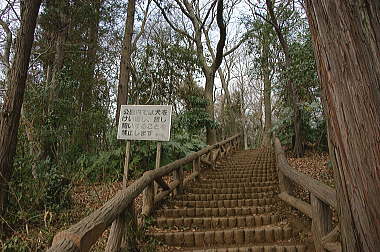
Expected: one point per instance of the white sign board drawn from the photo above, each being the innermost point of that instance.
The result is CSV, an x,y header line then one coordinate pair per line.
x,y
145,122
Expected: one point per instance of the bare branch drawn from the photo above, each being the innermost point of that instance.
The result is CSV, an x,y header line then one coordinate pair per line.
x,y
182,32
222,38
208,13
142,30
13,9
265,19
39,55
245,37
185,10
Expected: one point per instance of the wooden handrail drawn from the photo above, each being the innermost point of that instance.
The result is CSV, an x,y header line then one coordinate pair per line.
x,y
82,235
322,198
322,191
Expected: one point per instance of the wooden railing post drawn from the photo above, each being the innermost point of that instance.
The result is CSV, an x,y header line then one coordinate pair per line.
x,y
116,234
237,144
214,156
125,227
130,238
197,167
225,152
228,148
178,176
322,222
285,183
157,164
148,199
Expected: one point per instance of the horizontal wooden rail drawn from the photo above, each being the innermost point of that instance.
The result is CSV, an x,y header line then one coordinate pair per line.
x,y
160,196
322,197
190,178
82,235
297,203
322,191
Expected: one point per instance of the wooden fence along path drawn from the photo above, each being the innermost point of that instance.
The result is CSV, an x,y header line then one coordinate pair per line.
x,y
229,208
322,199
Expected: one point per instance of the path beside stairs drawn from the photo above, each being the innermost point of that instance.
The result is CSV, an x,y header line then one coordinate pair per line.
x,y
231,208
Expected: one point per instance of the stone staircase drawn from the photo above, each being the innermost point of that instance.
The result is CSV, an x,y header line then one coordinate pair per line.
x,y
231,208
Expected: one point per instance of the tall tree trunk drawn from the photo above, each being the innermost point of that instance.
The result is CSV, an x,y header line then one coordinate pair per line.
x,y
292,93
210,77
61,32
61,37
10,117
125,62
346,37
89,80
267,94
209,95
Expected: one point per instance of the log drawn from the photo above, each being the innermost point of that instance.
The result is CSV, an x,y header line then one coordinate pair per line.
x,y
322,221
296,203
320,190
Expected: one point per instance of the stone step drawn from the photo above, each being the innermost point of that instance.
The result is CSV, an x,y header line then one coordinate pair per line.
x,y
214,212
263,248
224,203
230,208
224,237
250,167
239,180
217,222
230,196
243,172
246,161
249,172
239,176
231,190
211,184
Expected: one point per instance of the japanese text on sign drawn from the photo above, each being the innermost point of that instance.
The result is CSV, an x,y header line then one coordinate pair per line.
x,y
145,122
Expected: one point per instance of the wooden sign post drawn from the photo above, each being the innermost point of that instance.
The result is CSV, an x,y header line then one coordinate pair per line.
x,y
158,163
126,163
